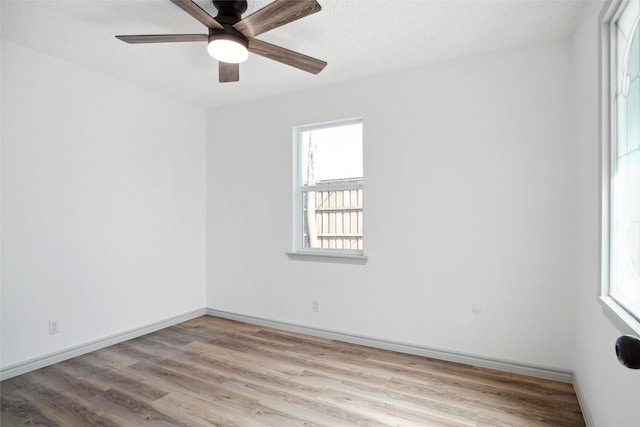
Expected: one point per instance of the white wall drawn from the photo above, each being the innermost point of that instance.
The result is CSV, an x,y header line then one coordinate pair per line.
x,y
468,201
612,392
102,205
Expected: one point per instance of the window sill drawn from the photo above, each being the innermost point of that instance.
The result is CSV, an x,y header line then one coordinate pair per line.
x,y
327,257
622,320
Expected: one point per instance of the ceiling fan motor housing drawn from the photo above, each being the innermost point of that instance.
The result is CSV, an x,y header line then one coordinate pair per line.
x,y
229,11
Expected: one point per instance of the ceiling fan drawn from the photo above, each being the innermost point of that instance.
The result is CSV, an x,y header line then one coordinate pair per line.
x,y
231,37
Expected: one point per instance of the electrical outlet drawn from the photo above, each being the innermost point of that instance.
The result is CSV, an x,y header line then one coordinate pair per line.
x,y
54,327
316,306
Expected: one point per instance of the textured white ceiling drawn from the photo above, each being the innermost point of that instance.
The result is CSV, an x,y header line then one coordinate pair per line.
x,y
357,38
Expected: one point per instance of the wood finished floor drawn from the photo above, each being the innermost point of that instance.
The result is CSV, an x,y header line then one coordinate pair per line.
x,y
216,372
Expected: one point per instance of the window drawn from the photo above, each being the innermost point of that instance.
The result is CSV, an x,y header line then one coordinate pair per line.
x,y
328,187
621,166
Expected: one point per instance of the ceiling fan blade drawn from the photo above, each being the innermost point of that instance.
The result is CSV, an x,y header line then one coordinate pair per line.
x,y
197,12
164,38
286,56
228,72
274,15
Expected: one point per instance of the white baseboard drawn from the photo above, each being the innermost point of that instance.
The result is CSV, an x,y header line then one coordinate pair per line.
x,y
582,399
59,356
483,362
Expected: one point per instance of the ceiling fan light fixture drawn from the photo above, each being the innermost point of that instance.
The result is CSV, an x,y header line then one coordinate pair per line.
x,y
228,48
230,36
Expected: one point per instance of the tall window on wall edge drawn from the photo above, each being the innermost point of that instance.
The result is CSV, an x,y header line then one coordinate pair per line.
x,y
620,134
328,200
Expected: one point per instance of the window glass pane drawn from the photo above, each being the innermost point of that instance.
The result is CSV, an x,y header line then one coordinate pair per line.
x,y
634,56
621,47
331,154
632,210
625,178
629,18
632,117
333,219
621,125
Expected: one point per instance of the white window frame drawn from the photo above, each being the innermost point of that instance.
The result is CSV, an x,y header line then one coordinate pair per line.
x,y
624,321
299,252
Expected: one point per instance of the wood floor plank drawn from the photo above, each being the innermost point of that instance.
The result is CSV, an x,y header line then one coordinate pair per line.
x,y
57,378
217,372
69,409
85,368
112,358
385,414
421,407
200,412
134,410
15,410
488,382
224,360
266,385
483,397
311,408
243,405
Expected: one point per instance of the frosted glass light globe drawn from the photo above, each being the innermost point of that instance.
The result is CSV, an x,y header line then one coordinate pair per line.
x,y
227,50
